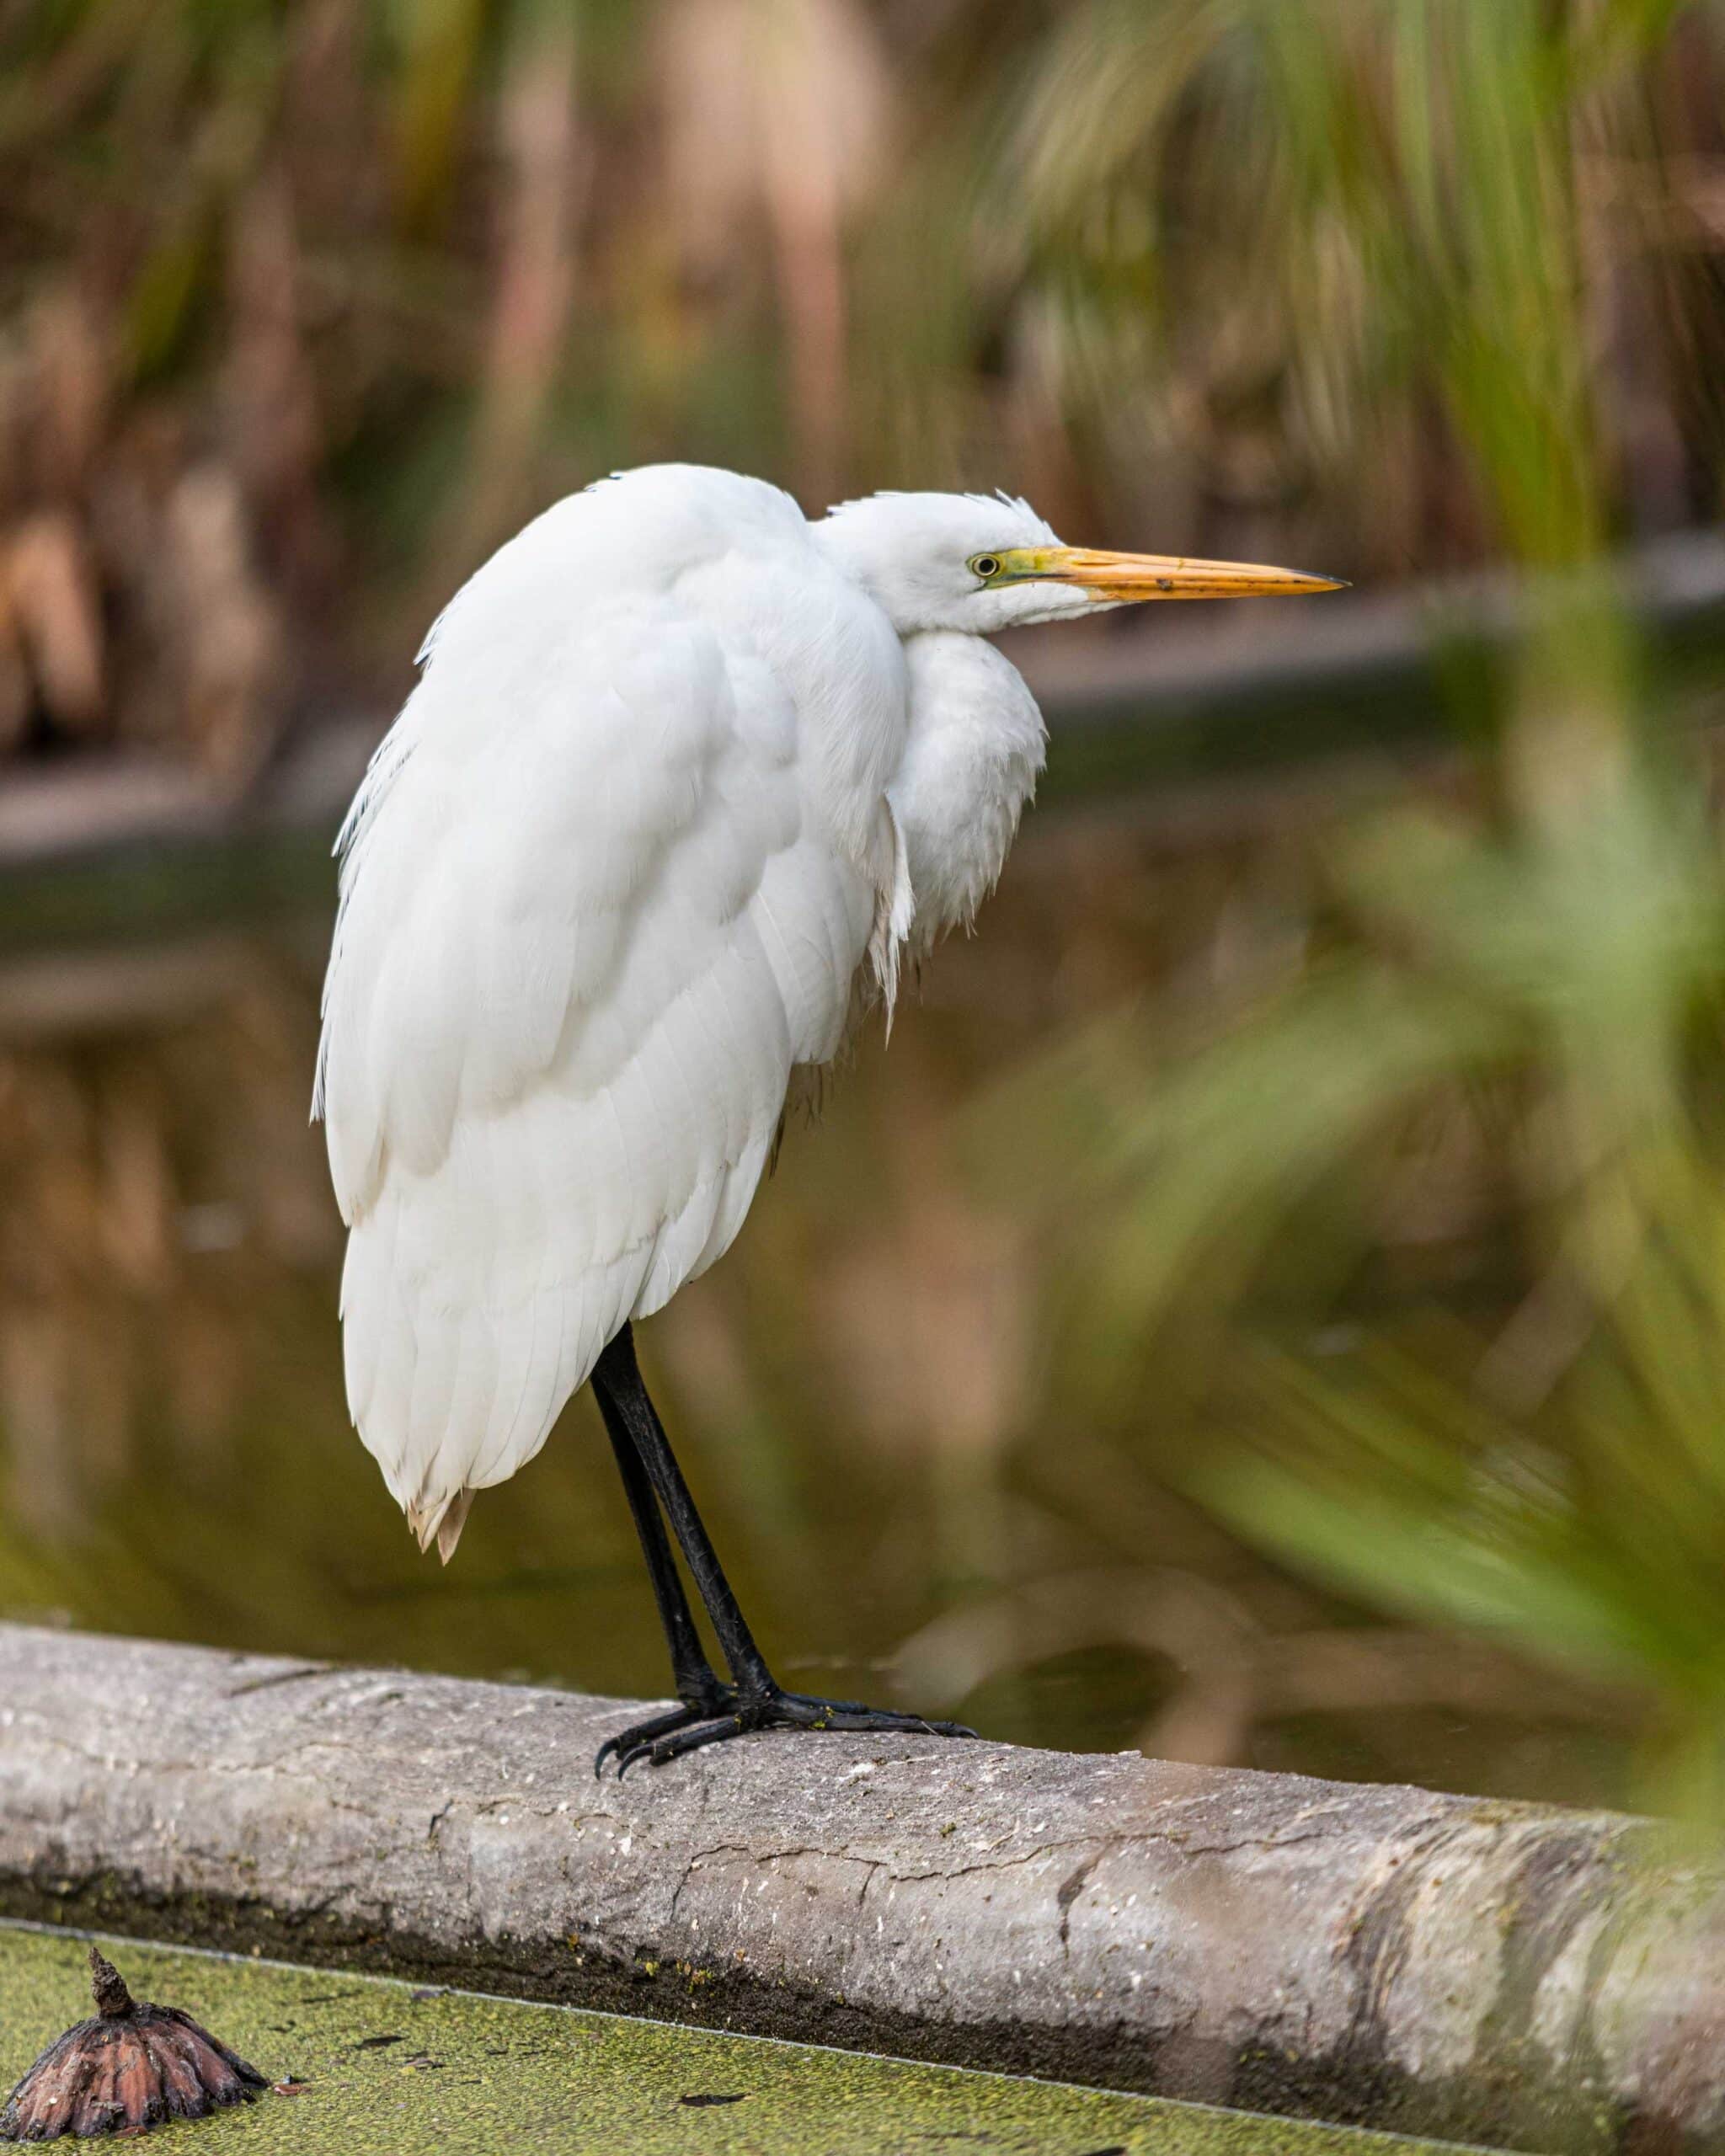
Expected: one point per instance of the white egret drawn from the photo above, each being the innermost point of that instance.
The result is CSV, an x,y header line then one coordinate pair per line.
x,y
684,776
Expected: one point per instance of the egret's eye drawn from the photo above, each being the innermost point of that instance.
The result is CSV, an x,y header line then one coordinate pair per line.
x,y
984,566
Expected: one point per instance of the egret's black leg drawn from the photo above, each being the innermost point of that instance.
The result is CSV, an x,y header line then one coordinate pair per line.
x,y
617,1381
755,1699
702,1693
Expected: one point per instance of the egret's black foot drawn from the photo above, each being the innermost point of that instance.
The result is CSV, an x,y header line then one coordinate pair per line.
x,y
629,1743
670,1736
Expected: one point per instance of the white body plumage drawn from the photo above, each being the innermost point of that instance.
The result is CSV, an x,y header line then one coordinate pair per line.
x,y
683,776
681,773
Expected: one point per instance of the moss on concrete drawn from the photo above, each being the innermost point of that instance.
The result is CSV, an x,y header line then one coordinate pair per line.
x,y
389,2069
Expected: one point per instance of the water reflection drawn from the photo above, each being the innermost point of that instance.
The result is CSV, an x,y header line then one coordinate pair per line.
x,y
862,1389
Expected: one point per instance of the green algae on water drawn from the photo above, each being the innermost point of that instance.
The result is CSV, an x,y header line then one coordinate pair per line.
x,y
383,2068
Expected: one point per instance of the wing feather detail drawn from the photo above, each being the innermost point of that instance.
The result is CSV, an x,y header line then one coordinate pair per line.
x,y
596,906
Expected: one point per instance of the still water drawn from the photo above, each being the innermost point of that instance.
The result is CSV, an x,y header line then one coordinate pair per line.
x,y
864,1392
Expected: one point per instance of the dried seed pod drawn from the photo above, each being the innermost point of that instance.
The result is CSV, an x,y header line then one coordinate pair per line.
x,y
130,2067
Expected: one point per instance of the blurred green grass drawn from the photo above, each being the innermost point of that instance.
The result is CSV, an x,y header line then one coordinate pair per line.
x,y
1498,1030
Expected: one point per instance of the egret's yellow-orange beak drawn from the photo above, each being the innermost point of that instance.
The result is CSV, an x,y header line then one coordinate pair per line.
x,y
1132,577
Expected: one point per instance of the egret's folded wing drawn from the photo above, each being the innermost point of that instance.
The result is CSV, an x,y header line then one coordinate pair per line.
x,y
588,927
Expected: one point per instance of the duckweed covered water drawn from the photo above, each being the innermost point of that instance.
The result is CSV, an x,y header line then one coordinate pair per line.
x,y
389,2070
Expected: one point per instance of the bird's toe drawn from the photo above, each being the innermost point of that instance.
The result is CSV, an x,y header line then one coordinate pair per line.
x,y
643,1738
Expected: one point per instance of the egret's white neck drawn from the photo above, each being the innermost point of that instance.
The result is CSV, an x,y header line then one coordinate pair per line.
x,y
973,749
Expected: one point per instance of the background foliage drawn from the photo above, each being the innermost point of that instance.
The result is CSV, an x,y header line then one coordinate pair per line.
x,y
307,304
1330,1322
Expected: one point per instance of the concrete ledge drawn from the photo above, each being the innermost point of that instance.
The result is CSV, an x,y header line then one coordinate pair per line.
x,y
1383,1957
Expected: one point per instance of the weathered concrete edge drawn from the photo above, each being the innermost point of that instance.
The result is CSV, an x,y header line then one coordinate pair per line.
x,y
1377,1956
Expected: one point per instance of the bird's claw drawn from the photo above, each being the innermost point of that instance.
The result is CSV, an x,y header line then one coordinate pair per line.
x,y
628,1744
692,1727
658,1749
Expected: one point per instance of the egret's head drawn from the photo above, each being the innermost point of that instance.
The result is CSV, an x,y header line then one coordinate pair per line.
x,y
977,563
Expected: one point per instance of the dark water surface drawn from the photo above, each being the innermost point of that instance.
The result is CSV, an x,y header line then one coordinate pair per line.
x,y
863,1391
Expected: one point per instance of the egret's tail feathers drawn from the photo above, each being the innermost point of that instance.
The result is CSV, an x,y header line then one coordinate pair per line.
x,y
448,1530
440,1521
